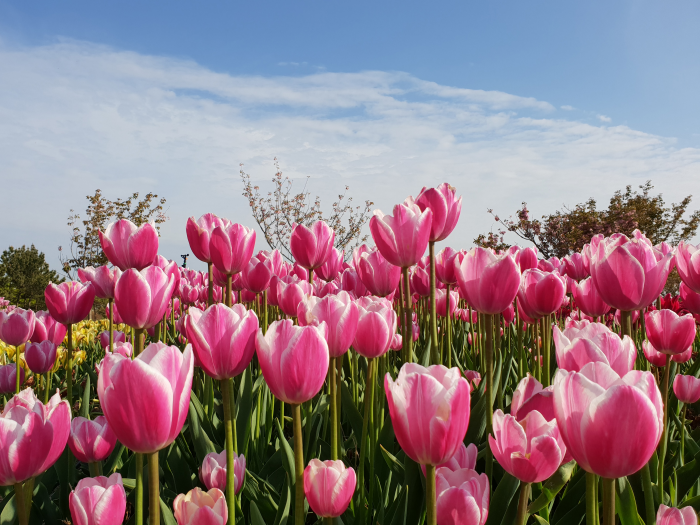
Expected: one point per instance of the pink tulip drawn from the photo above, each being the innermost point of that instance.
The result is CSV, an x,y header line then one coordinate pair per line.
x,y
379,276
588,299
201,508
686,388
129,246
119,337
673,516
573,266
32,436
445,265
290,293
465,457
668,332
69,302
526,258
47,329
115,315
626,272
611,425
329,487
8,378
658,359
98,501
594,343
634,317
40,357
293,359
340,315
540,293
403,237
223,339
473,377
376,326
91,441
199,234
170,268
350,282
462,497
142,297
688,265
16,327
441,302
690,299
444,207
311,247
102,279
257,274
488,282
529,396
146,400
429,410
213,471
420,281
231,247
332,267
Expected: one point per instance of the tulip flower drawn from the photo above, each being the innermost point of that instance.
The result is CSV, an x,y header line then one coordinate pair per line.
x,y
444,207
668,332
473,377
573,266
47,329
199,233
142,297
69,302
540,293
376,273
8,378
462,497
213,471
445,265
588,299
257,274
116,318
328,486
17,326
686,388
119,337
488,282
530,395
688,265
350,282
98,501
403,237
40,357
673,516
91,441
102,279
231,247
290,293
201,508
420,281
340,314
441,304
333,265
376,326
129,246
690,299
311,246
465,457
658,359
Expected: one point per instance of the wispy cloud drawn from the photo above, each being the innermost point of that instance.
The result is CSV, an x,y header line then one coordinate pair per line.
x,y
604,118
76,116
567,108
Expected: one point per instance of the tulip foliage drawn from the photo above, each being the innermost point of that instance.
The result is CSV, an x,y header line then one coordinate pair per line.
x,y
404,386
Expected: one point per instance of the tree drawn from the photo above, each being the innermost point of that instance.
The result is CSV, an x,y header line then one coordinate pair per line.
x,y
277,212
85,248
24,274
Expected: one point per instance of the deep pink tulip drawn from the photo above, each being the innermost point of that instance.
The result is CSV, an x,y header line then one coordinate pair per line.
x,y
17,326
673,516
69,302
299,272
690,300
462,497
420,281
529,396
340,315
668,332
8,378
32,436
329,487
444,207
290,293
611,425
142,297
626,272
350,282
429,410
293,359
376,326
91,441
311,247
465,457
213,471
257,274
231,247
201,508
223,339
47,329
98,501
146,400
573,266
441,302
199,234
688,265
379,276
129,246
118,337
686,388
40,357
403,237
541,293
588,299
332,267
545,266
445,265
102,278
594,343
530,450
170,268
115,315
488,282
658,359
277,262
526,258
473,377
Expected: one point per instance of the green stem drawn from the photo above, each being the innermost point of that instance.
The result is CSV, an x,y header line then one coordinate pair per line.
x,y
433,306
264,311
328,521
591,498
210,295
153,489
408,340
546,331
94,469
49,376
229,295
228,429
111,323
334,410
69,367
538,365
430,499
683,435
448,330
608,501
139,488
521,517
649,513
664,435
369,394
20,505
299,514
488,328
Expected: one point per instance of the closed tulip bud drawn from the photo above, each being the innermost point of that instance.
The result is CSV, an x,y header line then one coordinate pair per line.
x,y
595,342
488,282
290,293
376,326
541,293
329,487
17,326
142,297
376,273
213,471
223,339
311,246
530,395
231,247
526,258
668,332
201,508
420,281
129,246
462,497
445,265
98,501
69,302
47,329
146,400
170,268
658,359
588,299
256,275
34,436
441,302
429,409
350,282
293,359
444,208
688,265
199,234
102,279
611,425
573,266
673,516
91,441
474,379
119,337
40,357
403,237
465,457
686,388
8,378
332,267
340,314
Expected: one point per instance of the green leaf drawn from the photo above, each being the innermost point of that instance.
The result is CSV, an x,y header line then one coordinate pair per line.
x,y
540,520
625,504
282,517
166,515
505,491
477,419
255,516
688,474
114,461
288,455
552,487
46,508
85,404
350,411
414,504
394,464
202,444
9,513
575,493
386,440
244,409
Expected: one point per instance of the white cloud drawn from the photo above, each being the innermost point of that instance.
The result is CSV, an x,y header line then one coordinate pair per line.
x,y
567,108
603,118
75,117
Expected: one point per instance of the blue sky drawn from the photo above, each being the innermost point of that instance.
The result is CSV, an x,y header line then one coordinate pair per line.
x,y
540,101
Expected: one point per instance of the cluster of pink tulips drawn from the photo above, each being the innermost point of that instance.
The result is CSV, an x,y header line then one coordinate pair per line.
x,y
391,385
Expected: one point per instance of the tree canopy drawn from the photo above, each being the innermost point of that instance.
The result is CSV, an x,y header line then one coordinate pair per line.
x,y
24,274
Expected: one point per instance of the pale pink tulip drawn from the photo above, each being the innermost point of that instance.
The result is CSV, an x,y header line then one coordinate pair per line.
x,y
595,342
688,265
328,486
403,237
129,246
668,332
376,273
142,297
462,497
199,234
488,282
98,501
340,315
541,293
686,388
69,302
473,377
465,457
213,471
376,326
47,329
17,326
658,359
40,357
119,337
530,395
91,441
444,207
673,516
102,278
231,247
311,247
115,315
201,508
588,299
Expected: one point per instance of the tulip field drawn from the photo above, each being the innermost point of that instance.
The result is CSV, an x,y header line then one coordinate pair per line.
x,y
395,385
